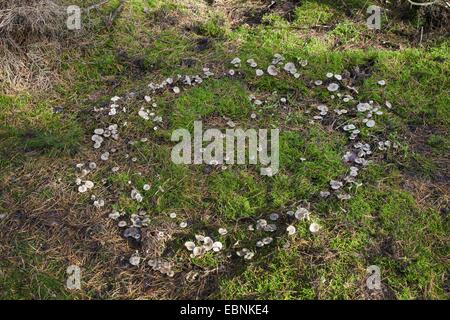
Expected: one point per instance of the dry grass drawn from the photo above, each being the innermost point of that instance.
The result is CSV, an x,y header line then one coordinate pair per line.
x,y
22,21
32,68
31,32
50,218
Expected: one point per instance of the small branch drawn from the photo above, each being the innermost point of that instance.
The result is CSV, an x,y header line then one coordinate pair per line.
x,y
422,3
96,5
346,7
421,35
316,26
115,14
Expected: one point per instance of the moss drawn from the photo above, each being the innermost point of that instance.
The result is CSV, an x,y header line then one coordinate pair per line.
x,y
237,194
311,13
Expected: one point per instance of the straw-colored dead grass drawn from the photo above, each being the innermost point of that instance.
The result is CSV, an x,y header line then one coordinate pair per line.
x,y
31,32
21,20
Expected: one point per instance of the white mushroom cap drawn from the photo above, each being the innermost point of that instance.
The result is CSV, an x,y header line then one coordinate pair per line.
x,y
135,259
104,156
217,246
335,185
236,61
302,213
89,184
208,243
199,237
370,123
198,251
290,67
189,245
291,230
333,87
314,227
274,216
272,70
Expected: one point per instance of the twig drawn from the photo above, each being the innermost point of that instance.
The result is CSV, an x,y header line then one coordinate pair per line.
x,y
115,14
346,7
316,26
421,35
95,6
422,3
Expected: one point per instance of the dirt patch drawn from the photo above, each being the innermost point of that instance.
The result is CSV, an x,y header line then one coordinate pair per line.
x,y
164,17
361,72
434,17
252,12
137,65
285,9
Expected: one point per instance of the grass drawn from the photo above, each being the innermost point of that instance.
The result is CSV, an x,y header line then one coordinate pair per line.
x,y
223,98
396,219
34,278
34,128
312,13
